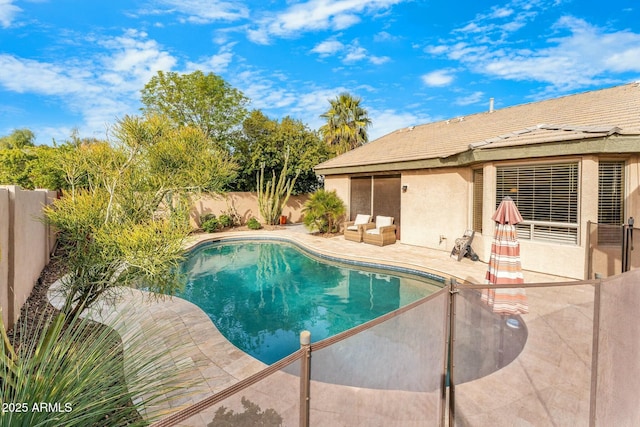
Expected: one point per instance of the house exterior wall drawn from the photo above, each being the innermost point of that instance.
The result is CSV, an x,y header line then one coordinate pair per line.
x,y
341,184
437,208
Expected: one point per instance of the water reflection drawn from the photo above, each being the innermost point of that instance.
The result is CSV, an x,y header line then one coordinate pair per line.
x,y
261,295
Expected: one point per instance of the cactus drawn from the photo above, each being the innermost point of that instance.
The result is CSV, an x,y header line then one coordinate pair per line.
x,y
273,196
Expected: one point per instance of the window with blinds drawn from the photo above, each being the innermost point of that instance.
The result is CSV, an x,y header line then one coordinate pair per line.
x,y
610,202
478,194
547,198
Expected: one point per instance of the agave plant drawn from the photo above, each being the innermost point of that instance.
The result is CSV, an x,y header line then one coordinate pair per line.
x,y
72,374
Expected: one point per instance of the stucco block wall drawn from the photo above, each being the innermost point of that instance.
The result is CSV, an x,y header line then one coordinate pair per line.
x,y
243,204
435,204
28,242
4,254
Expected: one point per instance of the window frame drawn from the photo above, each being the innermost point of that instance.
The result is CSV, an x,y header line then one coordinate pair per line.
x,y
538,187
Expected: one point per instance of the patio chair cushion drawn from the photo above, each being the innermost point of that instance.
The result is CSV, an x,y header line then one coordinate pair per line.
x,y
383,221
361,219
352,227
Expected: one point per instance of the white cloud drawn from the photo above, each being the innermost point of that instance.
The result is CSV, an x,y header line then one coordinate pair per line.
x,y
97,89
217,63
315,15
133,60
384,36
570,62
206,11
575,54
379,60
8,12
386,121
328,47
438,78
470,99
353,52
29,76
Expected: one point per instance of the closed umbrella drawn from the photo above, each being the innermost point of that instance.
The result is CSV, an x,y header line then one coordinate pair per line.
x,y
504,263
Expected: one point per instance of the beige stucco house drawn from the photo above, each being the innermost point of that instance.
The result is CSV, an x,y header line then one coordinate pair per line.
x,y
565,161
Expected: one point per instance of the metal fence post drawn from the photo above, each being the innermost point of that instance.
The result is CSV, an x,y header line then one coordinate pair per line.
x,y
453,291
305,378
595,348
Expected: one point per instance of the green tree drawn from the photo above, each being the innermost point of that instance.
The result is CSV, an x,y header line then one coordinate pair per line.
x,y
323,211
265,142
128,226
19,138
14,167
205,101
347,123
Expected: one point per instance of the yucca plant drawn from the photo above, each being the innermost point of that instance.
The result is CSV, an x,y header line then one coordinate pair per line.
x,y
72,374
323,211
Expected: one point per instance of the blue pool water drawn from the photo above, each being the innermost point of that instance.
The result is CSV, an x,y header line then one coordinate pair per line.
x,y
261,295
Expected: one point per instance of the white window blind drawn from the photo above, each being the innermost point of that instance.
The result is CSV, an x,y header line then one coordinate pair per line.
x,y
546,196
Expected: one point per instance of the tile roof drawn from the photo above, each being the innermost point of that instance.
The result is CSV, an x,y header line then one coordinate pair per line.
x,y
594,114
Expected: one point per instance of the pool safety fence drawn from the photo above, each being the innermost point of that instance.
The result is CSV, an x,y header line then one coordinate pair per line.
x,y
612,249
448,359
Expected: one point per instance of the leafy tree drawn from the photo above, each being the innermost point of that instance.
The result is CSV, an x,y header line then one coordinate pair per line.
x,y
205,101
323,210
14,167
347,123
19,138
265,142
44,170
128,226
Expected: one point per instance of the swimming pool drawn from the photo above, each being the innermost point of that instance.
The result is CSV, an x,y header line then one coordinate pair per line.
x,y
262,294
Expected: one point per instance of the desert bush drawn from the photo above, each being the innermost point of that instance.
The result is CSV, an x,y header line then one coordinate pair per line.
x,y
72,374
253,224
209,223
225,221
323,211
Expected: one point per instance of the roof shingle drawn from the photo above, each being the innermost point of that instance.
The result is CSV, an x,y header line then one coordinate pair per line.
x,y
591,114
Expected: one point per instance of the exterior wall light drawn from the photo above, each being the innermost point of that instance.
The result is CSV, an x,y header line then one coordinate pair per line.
x,y
404,188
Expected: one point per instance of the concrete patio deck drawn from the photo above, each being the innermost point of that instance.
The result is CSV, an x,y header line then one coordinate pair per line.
x,y
215,364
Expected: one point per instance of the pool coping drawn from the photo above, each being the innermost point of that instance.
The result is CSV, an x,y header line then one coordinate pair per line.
x,y
217,363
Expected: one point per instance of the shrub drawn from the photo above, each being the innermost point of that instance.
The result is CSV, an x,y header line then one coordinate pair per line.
x,y
209,223
253,224
80,370
323,211
225,221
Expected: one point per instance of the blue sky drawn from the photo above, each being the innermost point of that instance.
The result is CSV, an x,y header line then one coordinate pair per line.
x,y
68,64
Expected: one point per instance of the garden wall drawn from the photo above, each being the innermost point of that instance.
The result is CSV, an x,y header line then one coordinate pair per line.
x,y
245,205
26,243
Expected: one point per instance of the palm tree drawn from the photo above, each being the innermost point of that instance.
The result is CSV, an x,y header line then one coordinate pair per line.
x,y
347,123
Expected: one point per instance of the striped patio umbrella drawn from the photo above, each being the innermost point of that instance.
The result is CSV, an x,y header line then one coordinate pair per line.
x,y
504,263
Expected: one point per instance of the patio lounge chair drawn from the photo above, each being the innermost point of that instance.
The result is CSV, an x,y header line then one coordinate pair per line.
x,y
353,229
381,233
462,246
